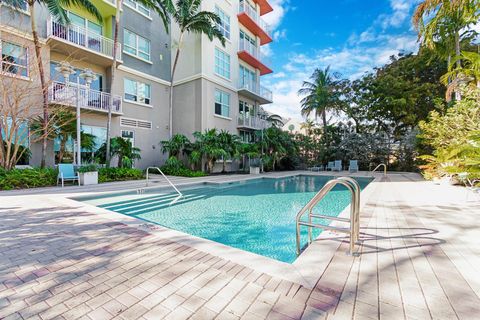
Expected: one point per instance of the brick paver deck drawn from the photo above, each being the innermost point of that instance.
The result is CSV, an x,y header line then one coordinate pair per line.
x,y
420,259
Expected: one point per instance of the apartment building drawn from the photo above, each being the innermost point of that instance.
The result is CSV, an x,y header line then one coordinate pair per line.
x,y
139,93
220,86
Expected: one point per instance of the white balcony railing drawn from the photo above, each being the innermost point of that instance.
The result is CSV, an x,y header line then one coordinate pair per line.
x,y
82,37
66,94
252,13
256,88
253,122
253,50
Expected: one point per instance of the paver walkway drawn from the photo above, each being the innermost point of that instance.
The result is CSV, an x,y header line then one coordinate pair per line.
x,y
420,259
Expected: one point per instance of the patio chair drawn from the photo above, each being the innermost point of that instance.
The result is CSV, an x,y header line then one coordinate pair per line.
x,y
316,168
330,166
337,166
66,172
471,185
353,167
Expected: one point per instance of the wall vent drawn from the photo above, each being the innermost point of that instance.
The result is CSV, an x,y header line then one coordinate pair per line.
x,y
135,123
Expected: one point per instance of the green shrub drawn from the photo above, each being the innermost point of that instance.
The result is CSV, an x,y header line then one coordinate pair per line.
x,y
119,174
174,167
27,178
88,168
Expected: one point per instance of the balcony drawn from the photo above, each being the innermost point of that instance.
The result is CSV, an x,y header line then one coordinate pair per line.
x,y
252,21
81,44
245,121
265,7
66,95
255,91
251,54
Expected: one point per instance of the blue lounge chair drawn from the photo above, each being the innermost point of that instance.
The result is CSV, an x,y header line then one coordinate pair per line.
x,y
330,166
337,166
353,167
66,172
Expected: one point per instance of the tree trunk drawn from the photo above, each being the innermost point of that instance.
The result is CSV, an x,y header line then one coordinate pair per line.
x,y
174,68
112,79
224,166
458,95
61,152
38,54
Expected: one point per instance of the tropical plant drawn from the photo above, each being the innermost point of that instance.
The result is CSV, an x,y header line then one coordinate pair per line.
x,y
277,145
320,95
57,9
160,6
230,143
467,73
175,167
207,144
175,145
123,149
187,15
453,137
119,174
445,23
275,120
308,126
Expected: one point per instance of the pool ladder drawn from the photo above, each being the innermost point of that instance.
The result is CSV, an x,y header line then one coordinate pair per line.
x,y
166,178
354,220
378,167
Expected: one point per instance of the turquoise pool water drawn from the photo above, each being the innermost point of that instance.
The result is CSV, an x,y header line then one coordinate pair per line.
x,y
256,216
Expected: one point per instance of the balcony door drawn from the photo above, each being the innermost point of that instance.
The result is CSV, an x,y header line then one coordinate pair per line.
x,y
248,79
85,32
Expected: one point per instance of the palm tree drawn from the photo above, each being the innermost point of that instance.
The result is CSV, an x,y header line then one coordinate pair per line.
x,y
160,6
444,23
125,151
207,144
308,125
230,143
320,95
175,145
275,120
469,72
189,19
56,8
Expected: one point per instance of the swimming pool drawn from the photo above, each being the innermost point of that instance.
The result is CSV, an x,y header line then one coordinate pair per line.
x,y
253,215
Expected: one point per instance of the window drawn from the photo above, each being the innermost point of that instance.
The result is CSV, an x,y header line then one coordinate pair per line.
x,y
245,109
136,45
222,103
14,59
222,63
56,76
247,136
248,43
248,79
129,136
224,24
19,5
138,7
137,91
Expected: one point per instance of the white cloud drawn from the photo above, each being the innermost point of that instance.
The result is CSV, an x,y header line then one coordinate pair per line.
x,y
280,8
279,34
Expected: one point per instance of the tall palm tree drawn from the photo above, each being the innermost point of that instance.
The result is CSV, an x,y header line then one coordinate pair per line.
x,y
160,6
56,8
320,94
443,24
189,18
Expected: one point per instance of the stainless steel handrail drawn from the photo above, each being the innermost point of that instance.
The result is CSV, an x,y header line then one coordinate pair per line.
x,y
378,167
166,178
354,220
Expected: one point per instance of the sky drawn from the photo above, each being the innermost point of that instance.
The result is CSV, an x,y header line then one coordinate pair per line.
x,y
350,36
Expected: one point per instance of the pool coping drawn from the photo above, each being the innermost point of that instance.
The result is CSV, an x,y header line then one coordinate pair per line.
x,y
305,270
